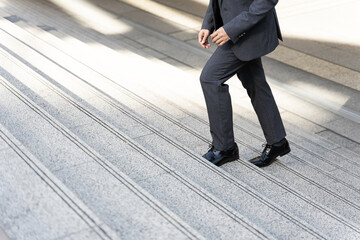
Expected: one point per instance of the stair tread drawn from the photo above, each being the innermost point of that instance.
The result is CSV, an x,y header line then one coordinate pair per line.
x,y
38,204
88,179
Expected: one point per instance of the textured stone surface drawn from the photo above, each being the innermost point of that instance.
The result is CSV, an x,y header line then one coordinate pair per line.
x,y
230,194
118,152
106,195
36,133
121,209
274,191
346,128
353,153
193,208
302,123
330,157
29,208
300,181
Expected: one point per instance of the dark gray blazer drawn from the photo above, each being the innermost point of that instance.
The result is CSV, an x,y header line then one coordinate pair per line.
x,y
252,25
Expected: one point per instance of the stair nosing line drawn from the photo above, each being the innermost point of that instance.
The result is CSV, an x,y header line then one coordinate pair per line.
x,y
309,201
53,185
134,189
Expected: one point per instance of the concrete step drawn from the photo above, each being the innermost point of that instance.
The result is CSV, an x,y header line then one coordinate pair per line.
x,y
188,200
112,196
73,169
35,204
305,105
95,103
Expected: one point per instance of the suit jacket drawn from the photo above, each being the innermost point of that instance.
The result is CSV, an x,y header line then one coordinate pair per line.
x,y
252,25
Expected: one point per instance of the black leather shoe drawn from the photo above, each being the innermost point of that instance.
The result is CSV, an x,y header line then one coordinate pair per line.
x,y
220,157
271,152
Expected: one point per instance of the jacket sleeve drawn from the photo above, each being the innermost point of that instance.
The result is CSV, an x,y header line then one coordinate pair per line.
x,y
208,22
258,9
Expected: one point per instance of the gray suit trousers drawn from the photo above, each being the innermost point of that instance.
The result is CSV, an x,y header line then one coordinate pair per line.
x,y
222,65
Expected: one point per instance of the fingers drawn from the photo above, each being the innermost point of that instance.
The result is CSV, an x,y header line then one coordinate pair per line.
x,y
206,45
221,43
219,37
218,40
215,37
203,38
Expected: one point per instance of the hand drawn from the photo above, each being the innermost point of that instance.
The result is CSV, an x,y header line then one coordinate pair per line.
x,y
203,38
220,37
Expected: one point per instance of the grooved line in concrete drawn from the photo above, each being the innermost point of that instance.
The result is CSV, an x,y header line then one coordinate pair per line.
x,y
102,163
53,185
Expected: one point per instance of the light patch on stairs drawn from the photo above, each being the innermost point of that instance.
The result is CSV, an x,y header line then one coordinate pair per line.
x,y
163,11
92,16
319,67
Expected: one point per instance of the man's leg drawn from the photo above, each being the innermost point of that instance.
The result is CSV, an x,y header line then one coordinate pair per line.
x,y
253,79
222,65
